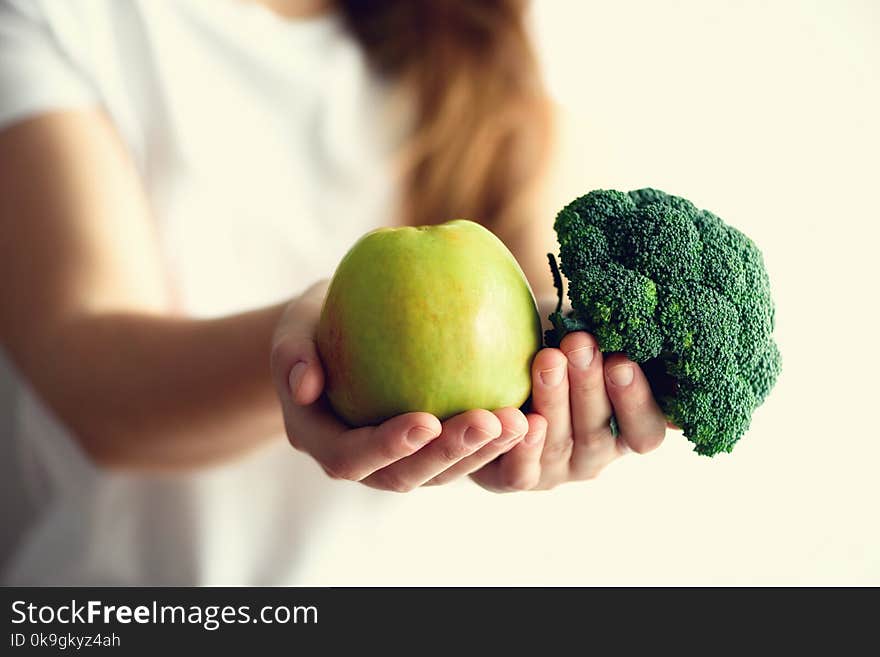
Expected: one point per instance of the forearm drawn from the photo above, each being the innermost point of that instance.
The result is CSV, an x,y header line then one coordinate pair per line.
x,y
153,391
86,309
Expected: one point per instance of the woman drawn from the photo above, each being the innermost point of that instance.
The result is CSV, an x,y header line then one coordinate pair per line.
x,y
170,173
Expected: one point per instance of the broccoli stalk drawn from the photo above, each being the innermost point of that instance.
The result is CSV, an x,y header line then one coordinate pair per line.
x,y
679,292
563,324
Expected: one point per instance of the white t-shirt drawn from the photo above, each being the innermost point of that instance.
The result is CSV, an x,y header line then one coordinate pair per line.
x,y
264,147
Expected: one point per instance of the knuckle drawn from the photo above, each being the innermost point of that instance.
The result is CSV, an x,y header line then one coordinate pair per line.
x,y
391,449
557,451
550,401
452,452
592,439
282,352
636,401
586,385
287,350
552,405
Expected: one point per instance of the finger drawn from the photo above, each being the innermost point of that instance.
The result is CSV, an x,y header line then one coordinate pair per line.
x,y
642,424
462,436
296,367
520,468
590,406
355,454
513,429
594,444
550,399
589,459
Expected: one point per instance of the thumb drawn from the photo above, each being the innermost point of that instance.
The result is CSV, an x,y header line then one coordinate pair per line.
x,y
305,381
296,365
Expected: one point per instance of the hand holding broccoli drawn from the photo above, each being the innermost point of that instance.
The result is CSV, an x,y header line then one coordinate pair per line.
x,y
575,388
681,293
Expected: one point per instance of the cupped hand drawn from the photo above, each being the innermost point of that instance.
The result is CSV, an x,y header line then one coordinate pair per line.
x,y
400,454
575,390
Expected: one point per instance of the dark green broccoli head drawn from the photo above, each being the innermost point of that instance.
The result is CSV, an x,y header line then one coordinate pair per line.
x,y
679,291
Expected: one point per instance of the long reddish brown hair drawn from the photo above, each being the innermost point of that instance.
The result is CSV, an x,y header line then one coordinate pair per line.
x,y
482,124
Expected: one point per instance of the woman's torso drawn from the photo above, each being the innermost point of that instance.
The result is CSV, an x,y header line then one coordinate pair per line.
x,y
264,147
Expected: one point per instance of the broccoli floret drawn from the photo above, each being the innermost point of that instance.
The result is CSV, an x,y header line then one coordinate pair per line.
x,y
678,291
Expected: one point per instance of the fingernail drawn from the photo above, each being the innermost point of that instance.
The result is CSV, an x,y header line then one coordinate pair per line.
x,y
420,436
581,357
552,377
622,375
295,378
474,437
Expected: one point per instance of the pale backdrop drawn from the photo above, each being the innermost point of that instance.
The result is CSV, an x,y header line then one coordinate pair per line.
x,y
766,113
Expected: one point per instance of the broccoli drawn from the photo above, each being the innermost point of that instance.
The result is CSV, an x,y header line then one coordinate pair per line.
x,y
679,292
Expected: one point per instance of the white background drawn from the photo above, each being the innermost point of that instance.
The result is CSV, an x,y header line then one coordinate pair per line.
x,y
766,113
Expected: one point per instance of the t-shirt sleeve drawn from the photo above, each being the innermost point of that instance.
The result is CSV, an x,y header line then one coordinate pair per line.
x,y
36,75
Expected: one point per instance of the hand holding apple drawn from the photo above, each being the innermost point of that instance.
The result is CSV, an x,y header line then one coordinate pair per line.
x,y
402,452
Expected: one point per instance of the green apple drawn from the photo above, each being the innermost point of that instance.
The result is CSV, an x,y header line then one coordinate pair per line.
x,y
437,319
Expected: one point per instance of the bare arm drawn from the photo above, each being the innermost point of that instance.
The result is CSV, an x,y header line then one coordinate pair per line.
x,y
86,315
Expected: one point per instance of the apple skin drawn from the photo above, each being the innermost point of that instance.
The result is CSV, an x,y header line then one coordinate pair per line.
x,y
437,319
